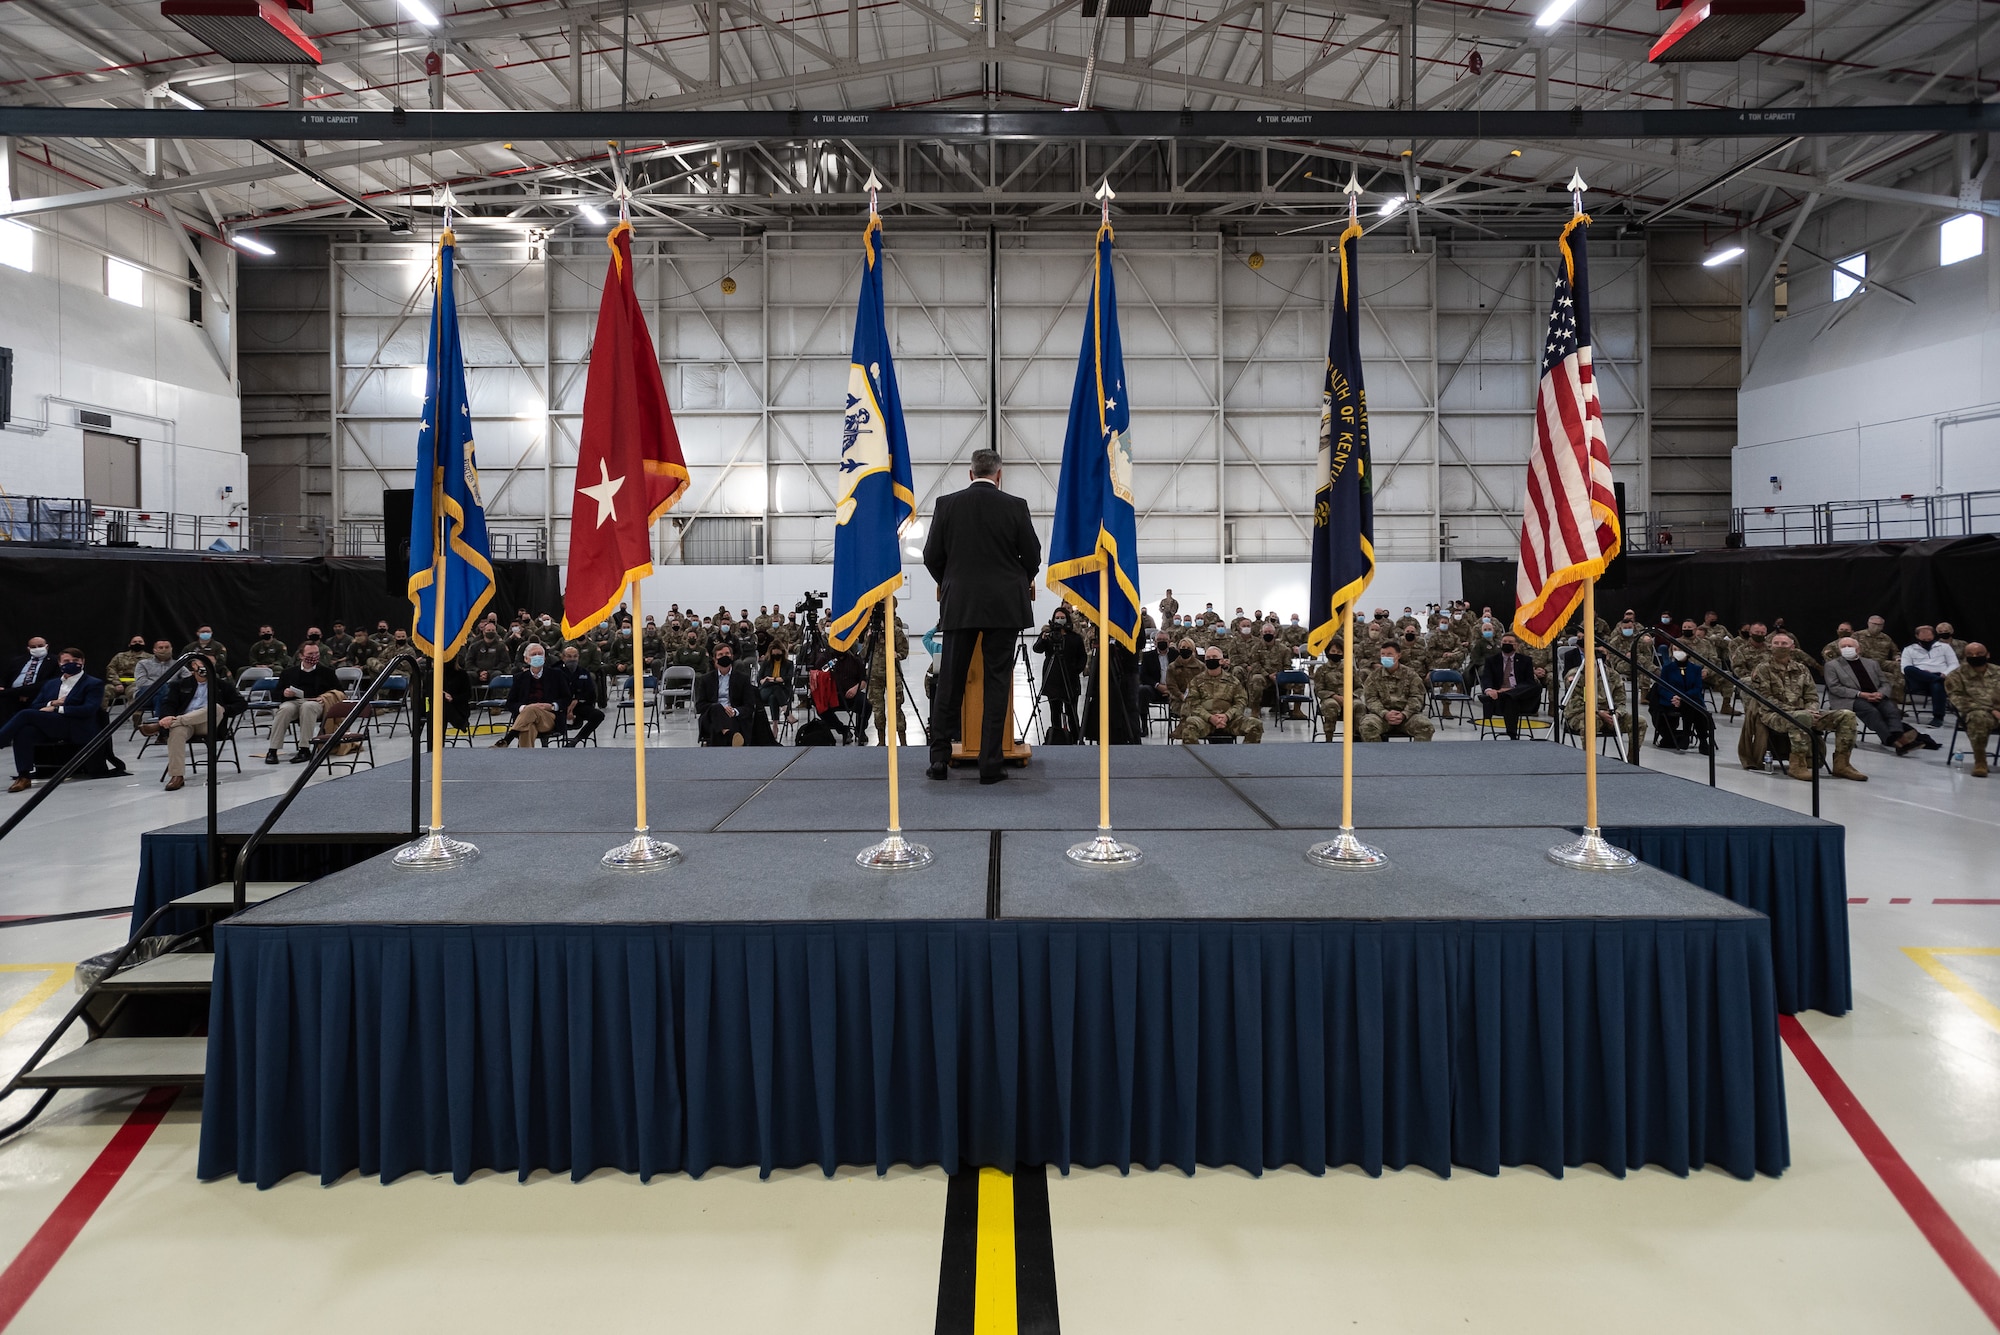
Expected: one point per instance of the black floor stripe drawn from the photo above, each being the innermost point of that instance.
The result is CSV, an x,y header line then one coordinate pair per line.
x,y
120,911
993,875
1195,751
957,1267
1034,1255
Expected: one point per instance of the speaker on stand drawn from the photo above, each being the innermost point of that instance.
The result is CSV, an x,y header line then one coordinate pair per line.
x,y
398,505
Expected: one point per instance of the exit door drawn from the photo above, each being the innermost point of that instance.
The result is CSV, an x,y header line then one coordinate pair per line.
x,y
111,470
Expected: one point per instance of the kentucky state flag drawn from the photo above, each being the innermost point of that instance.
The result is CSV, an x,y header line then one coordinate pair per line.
x,y
876,497
1095,524
447,511
1343,551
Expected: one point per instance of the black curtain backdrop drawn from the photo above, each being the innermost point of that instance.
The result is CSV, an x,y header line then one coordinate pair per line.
x,y
97,600
1813,588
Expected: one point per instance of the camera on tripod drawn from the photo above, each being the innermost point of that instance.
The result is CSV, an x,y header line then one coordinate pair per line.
x,y
810,605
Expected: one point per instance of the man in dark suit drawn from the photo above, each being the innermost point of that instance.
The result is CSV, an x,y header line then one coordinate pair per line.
x,y
68,708
538,699
983,553
1510,682
1153,685
24,677
727,707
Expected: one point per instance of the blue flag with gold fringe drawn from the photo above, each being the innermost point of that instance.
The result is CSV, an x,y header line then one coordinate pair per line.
x,y
1343,547
876,496
447,515
1095,524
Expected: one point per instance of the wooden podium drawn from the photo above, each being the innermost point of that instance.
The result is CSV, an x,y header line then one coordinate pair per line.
x,y
965,751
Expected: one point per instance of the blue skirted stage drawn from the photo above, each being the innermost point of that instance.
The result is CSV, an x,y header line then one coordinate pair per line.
x,y
769,1004
1790,867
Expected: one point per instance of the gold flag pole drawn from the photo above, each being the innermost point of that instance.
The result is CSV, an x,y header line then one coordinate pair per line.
x,y
894,853
434,850
1105,849
642,852
1344,850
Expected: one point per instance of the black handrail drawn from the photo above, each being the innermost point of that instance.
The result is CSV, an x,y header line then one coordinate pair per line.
x,y
1813,730
319,756
1702,705
75,762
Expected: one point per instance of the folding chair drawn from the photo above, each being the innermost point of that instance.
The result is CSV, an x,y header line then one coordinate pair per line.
x,y
197,752
491,707
677,688
1295,688
392,702
646,705
349,679
362,731
1440,698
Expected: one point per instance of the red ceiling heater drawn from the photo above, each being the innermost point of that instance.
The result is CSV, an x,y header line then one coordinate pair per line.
x,y
249,32
1721,29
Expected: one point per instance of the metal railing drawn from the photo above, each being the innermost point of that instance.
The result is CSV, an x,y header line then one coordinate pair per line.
x,y
78,521
1662,531
506,539
1632,661
1951,514
1813,730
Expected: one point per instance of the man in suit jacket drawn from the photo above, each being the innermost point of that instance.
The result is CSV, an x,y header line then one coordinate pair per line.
x,y
1855,681
188,707
1510,682
68,708
538,698
727,706
983,553
1153,683
23,678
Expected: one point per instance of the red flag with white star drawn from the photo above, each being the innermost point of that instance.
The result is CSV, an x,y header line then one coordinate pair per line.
x,y
629,468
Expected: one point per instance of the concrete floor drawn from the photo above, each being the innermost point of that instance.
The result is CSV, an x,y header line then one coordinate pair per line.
x,y
1826,1248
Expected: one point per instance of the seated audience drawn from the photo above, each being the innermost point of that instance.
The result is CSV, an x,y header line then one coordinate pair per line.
x,y
1511,683
301,691
118,672
68,708
1926,663
1786,682
1857,683
25,676
1215,702
204,640
1975,693
1679,716
193,704
149,670
725,700
582,711
775,682
1394,700
536,701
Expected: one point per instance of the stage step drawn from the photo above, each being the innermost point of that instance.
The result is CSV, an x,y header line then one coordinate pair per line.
x,y
221,897
124,1063
178,972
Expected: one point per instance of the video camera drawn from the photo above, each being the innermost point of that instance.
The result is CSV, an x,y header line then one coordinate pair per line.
x,y
810,605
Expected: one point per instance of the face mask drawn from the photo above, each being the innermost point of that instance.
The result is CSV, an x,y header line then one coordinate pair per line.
x,y
534,660
626,632
39,651
1270,638
1849,652
71,669
724,663
139,645
1781,652
1487,633
1215,665
203,636
1756,634
1410,637
487,633
1506,648
1187,653
1680,655
1388,661
1975,661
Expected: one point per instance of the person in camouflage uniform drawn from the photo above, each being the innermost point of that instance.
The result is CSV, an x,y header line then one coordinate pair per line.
x,y
590,659
269,651
1326,690
485,656
1184,669
121,667
1618,705
1831,649
1214,702
1169,605
1974,690
1746,655
1946,635
204,640
333,649
1784,679
878,685
1394,703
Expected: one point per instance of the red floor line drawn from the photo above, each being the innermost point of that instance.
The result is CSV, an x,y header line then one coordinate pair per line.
x,y
1965,901
1963,1259
20,1280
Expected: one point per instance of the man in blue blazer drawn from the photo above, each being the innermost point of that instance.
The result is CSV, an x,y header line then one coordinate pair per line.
x,y
66,709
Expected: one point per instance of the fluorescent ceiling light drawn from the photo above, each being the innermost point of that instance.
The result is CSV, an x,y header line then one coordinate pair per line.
x,y
420,12
252,245
183,99
1548,18
1393,205
591,214
1722,257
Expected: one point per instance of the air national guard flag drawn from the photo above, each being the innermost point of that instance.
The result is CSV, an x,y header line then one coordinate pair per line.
x,y
1569,532
1343,552
876,495
629,467
447,501
1095,524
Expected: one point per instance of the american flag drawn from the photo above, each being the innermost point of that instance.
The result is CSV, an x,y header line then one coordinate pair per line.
x,y
1569,532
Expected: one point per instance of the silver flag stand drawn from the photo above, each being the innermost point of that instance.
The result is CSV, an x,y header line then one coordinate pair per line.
x,y
642,853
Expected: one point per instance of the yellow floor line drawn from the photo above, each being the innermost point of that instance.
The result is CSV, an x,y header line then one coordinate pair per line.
x,y
993,1276
1926,958
58,974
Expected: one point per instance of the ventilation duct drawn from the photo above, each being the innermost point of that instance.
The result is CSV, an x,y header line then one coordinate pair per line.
x,y
249,32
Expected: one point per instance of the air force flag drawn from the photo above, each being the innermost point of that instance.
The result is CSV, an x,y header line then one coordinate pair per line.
x,y
1095,524
875,497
